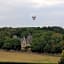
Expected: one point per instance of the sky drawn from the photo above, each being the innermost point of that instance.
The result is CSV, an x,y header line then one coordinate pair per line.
x,y
18,13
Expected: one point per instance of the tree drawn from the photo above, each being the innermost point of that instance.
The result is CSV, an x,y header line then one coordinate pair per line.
x,y
1,43
11,43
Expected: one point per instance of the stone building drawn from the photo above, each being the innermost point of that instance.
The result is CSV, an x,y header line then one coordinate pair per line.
x,y
23,43
26,42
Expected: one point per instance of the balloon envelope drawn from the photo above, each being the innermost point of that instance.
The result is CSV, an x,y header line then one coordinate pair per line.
x,y
34,17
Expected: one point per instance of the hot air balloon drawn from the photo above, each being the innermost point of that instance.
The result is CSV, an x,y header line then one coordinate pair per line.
x,y
34,17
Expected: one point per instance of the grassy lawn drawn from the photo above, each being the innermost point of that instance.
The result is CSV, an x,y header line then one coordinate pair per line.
x,y
27,57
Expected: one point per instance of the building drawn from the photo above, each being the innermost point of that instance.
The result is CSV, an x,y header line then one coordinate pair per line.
x,y
26,42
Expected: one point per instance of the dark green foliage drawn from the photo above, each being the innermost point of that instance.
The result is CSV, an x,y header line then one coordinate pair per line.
x,y
1,43
10,43
45,39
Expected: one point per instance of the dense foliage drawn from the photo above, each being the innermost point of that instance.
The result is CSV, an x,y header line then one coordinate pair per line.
x,y
48,41
44,39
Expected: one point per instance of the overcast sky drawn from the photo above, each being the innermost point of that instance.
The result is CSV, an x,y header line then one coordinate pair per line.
x,y
18,13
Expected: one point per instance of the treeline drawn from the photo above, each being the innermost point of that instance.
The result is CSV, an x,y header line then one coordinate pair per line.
x,y
44,39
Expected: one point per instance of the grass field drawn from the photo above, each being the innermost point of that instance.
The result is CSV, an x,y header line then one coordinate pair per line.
x,y
6,56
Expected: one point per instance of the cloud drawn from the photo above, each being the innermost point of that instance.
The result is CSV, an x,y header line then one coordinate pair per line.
x,y
45,3
34,3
